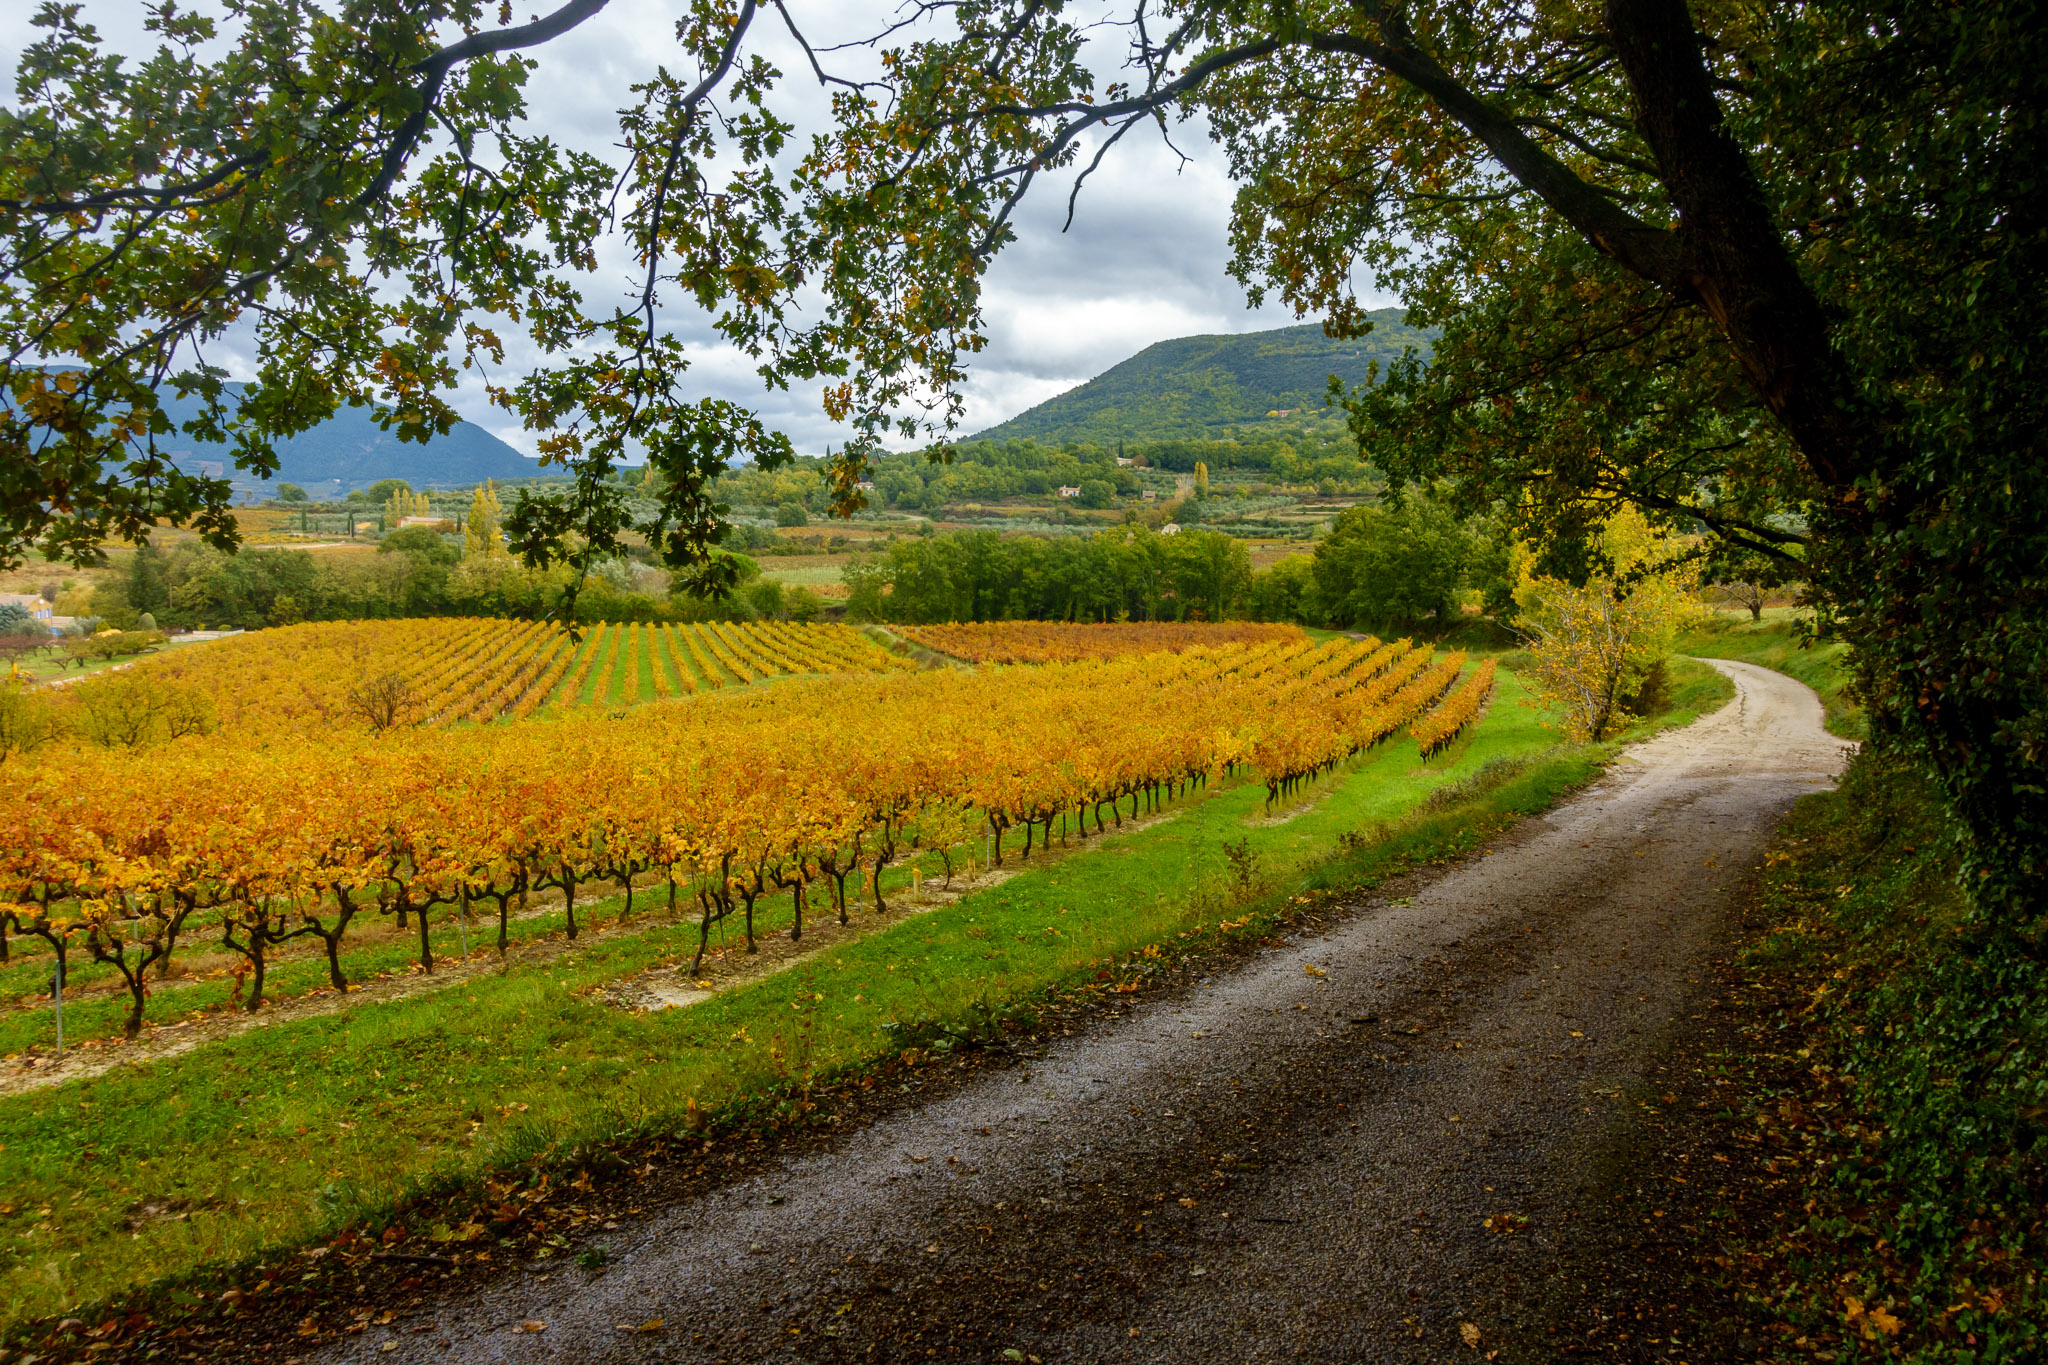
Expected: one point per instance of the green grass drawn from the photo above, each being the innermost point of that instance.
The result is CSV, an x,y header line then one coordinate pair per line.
x,y
650,645
1691,689
242,1144
809,576
54,663
1774,643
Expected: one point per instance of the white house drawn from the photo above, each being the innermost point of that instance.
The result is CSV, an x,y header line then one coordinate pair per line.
x,y
1125,462
1068,490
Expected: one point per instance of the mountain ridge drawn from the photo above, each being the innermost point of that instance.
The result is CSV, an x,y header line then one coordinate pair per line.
x,y
1215,386
350,450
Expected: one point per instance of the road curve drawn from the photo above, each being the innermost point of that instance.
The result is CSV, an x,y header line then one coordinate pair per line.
x,y
1297,1158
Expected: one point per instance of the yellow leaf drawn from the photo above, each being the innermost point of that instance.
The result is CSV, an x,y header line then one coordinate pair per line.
x,y
1470,1334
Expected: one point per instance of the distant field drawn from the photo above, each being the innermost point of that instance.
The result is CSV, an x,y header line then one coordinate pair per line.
x,y
819,573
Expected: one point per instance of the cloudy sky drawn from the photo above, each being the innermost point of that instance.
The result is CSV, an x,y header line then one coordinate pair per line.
x,y
1143,261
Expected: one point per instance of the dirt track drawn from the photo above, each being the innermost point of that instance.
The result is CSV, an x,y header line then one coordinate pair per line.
x,y
1362,1146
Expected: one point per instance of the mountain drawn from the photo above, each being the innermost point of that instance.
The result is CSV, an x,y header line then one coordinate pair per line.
x,y
1215,386
350,450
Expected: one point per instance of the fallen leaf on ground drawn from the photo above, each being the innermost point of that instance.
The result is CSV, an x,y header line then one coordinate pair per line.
x,y
1469,1332
531,1325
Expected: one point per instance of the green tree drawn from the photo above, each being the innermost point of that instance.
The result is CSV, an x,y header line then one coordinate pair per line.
x,y
1392,566
290,492
791,513
1098,493
422,542
867,583
1284,592
384,490
146,588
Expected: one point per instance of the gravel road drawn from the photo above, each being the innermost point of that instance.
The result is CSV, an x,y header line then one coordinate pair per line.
x,y
1296,1158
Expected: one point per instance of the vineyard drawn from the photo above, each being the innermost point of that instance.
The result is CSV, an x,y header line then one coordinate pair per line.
x,y
111,859
310,676
1044,642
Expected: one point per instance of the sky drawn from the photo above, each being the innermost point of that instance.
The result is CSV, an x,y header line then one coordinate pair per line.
x,y
1142,262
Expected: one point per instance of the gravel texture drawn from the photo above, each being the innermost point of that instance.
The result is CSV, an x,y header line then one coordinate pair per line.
x,y
1366,1144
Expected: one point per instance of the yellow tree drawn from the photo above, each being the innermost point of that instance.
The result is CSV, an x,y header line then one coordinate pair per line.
x,y
480,536
409,504
1596,642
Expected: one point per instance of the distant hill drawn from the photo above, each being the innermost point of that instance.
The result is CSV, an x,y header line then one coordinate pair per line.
x,y
1213,386
351,451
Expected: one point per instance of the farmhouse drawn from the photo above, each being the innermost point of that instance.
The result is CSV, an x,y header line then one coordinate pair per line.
x,y
1068,490
32,603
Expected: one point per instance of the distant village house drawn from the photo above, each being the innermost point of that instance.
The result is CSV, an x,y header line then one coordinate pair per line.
x,y
32,603
1068,490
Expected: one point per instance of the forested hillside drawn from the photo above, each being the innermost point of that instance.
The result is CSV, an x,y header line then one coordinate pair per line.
x,y
1210,386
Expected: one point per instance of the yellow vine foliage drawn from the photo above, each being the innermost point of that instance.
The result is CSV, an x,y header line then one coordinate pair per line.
x,y
728,794
1437,731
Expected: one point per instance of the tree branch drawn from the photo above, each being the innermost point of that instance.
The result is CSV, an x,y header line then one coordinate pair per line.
x,y
435,69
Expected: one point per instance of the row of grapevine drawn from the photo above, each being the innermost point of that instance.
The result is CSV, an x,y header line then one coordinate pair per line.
x,y
1435,732
1039,642
729,798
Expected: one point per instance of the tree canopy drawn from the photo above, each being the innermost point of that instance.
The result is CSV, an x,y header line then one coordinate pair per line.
x,y
1770,271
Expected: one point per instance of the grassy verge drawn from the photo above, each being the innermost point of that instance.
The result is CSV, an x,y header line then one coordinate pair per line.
x,y
1775,643
1892,1104
287,1134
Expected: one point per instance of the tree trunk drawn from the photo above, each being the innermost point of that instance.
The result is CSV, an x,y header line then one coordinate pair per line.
x,y
426,949
703,934
1734,256
256,965
569,898
132,1025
